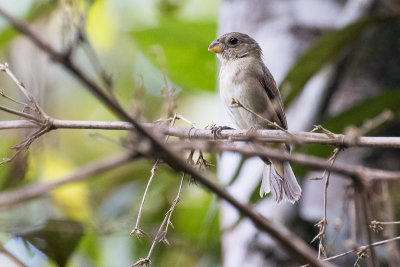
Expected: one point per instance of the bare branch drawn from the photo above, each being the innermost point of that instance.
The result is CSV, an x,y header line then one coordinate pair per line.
x,y
237,104
163,229
275,136
359,173
365,205
370,124
379,243
4,67
137,231
324,222
21,114
26,106
377,226
12,198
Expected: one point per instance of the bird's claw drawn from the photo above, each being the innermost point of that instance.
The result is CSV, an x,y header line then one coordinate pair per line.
x,y
217,130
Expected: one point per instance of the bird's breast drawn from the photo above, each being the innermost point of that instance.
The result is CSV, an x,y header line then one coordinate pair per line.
x,y
231,87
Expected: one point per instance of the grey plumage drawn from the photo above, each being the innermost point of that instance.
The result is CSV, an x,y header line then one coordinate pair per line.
x,y
243,76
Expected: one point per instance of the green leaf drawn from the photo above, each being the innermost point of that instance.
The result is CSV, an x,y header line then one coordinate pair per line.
x,y
184,44
56,238
328,48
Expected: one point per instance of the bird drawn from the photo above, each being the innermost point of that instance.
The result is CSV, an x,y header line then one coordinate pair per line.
x,y
243,77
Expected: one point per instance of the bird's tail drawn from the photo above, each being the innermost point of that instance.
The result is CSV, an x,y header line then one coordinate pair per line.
x,y
278,178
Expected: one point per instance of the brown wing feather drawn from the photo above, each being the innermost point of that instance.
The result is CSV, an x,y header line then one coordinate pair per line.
x,y
274,95
270,87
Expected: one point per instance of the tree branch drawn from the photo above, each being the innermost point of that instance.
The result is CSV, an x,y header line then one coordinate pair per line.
x,y
379,243
12,198
241,135
275,136
359,173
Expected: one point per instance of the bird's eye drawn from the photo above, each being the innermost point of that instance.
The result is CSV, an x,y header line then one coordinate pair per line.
x,y
233,41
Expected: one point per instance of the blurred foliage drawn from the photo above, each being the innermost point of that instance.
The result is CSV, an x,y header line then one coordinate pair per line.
x,y
330,48
183,44
137,53
56,238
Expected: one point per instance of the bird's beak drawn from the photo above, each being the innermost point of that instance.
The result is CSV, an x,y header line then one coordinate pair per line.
x,y
215,47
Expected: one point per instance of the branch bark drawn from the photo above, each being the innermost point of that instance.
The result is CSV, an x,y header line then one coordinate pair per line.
x,y
359,173
275,136
9,199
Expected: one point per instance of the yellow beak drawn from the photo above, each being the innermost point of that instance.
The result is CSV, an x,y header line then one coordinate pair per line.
x,y
215,47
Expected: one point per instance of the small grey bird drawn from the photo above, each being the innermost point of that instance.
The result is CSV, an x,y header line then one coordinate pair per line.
x,y
244,77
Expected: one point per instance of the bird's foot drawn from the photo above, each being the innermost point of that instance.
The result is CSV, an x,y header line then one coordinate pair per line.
x,y
217,130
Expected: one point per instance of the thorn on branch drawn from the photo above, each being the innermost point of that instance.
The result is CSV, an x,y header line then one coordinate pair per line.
x,y
139,233
322,226
376,226
236,104
369,124
361,254
146,262
323,130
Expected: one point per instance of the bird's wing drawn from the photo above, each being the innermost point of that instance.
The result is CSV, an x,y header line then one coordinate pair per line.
x,y
268,83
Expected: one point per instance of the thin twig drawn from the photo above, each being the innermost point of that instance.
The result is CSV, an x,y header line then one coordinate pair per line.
x,y
272,124
375,244
137,231
373,223
26,106
21,114
162,230
370,124
4,67
324,222
174,203
24,145
362,191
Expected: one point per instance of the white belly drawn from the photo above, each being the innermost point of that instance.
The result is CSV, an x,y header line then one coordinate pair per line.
x,y
229,89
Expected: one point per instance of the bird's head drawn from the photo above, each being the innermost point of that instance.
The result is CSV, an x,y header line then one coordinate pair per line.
x,y
235,45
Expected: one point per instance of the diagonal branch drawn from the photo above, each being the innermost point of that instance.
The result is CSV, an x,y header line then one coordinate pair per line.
x,y
21,114
4,67
12,198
